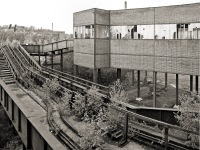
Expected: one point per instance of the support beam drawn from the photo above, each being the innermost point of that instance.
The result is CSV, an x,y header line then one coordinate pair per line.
x,y
154,88
95,75
177,88
191,83
61,60
197,84
138,83
119,72
166,80
133,77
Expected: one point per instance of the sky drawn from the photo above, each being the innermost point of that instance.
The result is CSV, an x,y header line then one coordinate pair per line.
x,y
42,13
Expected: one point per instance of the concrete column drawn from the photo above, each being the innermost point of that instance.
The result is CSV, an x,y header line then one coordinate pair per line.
x,y
95,75
191,83
177,88
61,60
166,80
75,70
133,77
154,88
138,83
119,72
197,84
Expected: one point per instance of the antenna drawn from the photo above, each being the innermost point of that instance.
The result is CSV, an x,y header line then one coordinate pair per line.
x,y
125,5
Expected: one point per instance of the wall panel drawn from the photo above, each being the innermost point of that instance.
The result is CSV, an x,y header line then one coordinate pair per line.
x,y
132,16
85,60
177,14
85,17
84,46
102,16
102,46
173,56
102,61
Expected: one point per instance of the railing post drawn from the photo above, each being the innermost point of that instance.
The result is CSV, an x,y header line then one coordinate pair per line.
x,y
125,134
166,137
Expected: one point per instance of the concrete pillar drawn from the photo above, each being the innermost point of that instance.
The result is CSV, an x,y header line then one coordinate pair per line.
x,y
119,72
177,88
133,77
61,60
75,70
154,88
138,83
197,84
95,75
166,80
191,83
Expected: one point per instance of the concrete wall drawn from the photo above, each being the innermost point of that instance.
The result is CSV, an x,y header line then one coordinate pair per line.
x,y
132,16
102,17
85,17
33,132
177,14
173,56
161,15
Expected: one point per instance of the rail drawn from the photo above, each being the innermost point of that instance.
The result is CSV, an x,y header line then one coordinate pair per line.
x,y
74,79
10,65
29,58
129,121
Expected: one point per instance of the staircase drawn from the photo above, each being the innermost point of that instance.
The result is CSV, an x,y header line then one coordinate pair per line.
x,y
5,73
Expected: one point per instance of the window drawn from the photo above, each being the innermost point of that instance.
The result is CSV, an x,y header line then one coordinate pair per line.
x,y
84,32
132,32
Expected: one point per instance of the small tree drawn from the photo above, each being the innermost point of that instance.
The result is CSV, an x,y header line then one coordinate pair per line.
x,y
189,117
51,87
117,92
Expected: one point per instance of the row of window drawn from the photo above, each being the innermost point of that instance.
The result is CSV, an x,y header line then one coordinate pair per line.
x,y
164,31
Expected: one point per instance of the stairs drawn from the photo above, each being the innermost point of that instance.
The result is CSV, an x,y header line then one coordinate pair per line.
x,y
5,73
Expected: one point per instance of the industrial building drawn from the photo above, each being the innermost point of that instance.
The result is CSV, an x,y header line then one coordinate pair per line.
x,y
158,39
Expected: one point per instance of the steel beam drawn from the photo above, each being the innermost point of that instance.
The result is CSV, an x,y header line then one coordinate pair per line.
x,y
119,72
138,73
177,88
191,83
154,88
197,84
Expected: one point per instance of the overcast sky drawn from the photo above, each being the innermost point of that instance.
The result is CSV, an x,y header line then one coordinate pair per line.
x,y
42,13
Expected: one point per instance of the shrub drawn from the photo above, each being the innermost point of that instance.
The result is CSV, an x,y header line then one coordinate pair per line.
x,y
189,117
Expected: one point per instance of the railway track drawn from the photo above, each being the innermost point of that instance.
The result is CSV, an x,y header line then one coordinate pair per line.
x,y
74,84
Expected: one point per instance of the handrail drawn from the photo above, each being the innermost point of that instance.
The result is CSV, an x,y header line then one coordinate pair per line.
x,y
10,66
30,59
137,116
103,89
